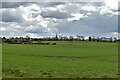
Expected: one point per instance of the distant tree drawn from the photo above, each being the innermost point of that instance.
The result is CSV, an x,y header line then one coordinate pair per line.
x,y
12,37
4,38
56,37
89,38
8,41
21,37
82,38
71,38
115,39
60,38
16,37
27,37
78,37
35,39
98,39
118,40
93,39
111,39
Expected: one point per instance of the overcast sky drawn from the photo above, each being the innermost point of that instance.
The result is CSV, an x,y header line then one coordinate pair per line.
x,y
64,18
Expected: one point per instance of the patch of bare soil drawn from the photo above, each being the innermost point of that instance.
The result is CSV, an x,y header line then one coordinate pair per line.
x,y
67,58
73,59
114,62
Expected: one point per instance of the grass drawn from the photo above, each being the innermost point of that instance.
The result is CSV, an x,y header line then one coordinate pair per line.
x,y
64,60
0,60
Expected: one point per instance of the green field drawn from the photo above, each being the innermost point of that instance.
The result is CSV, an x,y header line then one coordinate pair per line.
x,y
63,60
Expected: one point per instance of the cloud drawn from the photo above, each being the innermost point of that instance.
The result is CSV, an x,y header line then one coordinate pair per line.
x,y
49,18
76,16
2,29
105,10
34,29
94,24
112,4
89,8
11,15
12,4
55,14
110,7
30,12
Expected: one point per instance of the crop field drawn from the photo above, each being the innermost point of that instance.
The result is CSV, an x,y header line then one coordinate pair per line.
x,y
66,59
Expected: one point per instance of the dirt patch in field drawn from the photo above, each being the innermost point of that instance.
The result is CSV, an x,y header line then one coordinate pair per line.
x,y
114,62
67,58
73,59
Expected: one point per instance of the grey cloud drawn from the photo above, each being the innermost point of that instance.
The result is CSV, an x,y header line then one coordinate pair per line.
x,y
72,7
94,24
49,4
17,4
12,4
75,28
103,23
55,14
9,16
96,4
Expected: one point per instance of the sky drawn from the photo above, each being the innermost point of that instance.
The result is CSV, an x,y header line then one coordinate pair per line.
x,y
38,19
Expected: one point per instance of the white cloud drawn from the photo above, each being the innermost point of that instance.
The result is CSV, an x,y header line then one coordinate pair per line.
x,y
115,34
112,4
76,16
31,35
110,7
41,21
70,7
106,10
34,29
89,13
61,6
2,29
30,11
89,8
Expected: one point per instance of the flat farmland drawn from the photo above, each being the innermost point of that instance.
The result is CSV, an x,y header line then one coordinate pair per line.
x,y
66,59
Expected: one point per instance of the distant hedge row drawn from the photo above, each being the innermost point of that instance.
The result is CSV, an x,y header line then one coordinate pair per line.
x,y
45,43
34,43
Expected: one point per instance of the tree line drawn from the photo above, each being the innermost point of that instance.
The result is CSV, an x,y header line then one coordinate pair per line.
x,y
27,39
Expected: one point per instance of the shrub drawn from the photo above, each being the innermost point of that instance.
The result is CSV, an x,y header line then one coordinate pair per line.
x,y
42,43
54,43
18,73
47,43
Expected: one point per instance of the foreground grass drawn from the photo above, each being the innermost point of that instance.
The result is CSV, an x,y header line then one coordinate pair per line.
x,y
0,61
66,59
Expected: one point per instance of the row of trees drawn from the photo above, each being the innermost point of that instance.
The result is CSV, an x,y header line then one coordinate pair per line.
x,y
60,38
